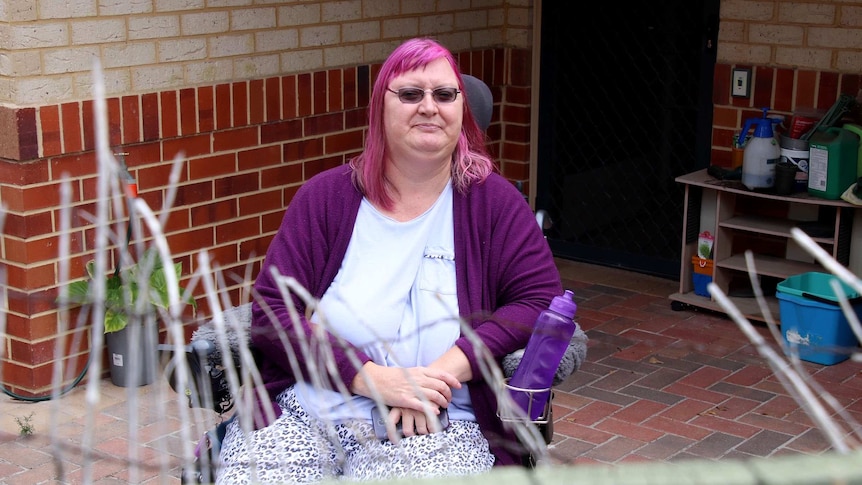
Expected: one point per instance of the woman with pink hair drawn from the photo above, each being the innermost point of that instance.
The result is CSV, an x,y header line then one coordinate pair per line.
x,y
425,266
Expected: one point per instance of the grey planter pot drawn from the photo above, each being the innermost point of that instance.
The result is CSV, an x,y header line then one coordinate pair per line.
x,y
133,355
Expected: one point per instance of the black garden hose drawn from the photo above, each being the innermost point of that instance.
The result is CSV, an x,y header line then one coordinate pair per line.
x,y
63,391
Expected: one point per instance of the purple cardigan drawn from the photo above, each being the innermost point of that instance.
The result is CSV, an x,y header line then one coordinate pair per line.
x,y
504,269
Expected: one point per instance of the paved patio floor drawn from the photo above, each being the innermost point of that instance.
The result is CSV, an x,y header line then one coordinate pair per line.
x,y
658,386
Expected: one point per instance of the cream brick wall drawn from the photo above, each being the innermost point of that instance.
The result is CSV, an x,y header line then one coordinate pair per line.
x,y
204,23
154,27
177,5
253,18
61,9
179,50
103,31
300,15
823,35
47,47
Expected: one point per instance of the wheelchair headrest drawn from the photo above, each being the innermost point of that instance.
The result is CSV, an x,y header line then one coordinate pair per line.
x,y
481,101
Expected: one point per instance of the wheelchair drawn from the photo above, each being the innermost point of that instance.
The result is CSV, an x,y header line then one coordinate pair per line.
x,y
208,385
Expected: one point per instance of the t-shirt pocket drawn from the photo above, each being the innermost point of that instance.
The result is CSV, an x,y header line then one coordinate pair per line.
x,y
437,273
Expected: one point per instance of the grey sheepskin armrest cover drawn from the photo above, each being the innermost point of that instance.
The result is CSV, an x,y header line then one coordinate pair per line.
x,y
239,317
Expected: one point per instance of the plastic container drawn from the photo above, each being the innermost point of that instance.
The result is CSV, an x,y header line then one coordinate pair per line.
x,y
140,339
858,130
530,385
785,178
832,163
796,152
702,275
761,153
802,123
812,320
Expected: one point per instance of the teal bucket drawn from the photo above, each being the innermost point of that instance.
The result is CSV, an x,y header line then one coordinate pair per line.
x,y
812,320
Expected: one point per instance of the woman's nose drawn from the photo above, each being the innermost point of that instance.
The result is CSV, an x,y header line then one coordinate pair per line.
x,y
428,105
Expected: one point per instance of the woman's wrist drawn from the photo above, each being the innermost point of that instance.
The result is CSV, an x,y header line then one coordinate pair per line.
x,y
360,384
455,362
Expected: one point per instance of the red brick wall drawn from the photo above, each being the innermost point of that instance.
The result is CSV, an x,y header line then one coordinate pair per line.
x,y
248,146
784,91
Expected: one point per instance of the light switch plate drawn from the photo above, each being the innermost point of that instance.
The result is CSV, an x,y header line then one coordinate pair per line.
x,y
741,83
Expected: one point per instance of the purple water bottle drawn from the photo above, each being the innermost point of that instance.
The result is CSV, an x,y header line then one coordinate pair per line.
x,y
530,385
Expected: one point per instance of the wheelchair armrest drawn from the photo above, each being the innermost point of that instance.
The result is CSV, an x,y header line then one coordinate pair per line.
x,y
575,355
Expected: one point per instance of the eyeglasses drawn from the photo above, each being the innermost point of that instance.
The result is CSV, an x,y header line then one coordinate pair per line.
x,y
415,95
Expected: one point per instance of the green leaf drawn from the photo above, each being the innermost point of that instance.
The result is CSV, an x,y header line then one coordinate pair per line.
x,y
78,292
122,291
115,321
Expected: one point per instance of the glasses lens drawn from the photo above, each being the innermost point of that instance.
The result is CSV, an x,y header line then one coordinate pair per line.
x,y
415,95
445,95
410,95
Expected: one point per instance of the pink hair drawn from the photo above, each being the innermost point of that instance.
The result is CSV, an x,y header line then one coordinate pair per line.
x,y
471,162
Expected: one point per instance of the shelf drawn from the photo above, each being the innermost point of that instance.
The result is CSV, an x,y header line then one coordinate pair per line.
x,y
748,306
702,179
768,225
769,265
762,222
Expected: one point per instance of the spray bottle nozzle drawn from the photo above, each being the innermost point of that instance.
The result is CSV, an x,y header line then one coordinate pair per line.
x,y
762,126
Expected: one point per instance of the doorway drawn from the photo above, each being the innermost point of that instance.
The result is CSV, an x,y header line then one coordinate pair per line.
x,y
625,107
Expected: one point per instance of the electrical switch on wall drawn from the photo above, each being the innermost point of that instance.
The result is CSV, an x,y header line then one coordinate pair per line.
x,y
741,83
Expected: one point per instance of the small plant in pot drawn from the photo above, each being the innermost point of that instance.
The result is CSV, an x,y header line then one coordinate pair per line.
x,y
134,297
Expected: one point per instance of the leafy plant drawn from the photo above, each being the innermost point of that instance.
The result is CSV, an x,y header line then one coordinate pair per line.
x,y
25,426
123,291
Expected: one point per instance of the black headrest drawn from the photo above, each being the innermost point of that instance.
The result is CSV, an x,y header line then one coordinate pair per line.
x,y
480,99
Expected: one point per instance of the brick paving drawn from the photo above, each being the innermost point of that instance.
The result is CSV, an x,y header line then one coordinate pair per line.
x,y
658,386
140,444
665,385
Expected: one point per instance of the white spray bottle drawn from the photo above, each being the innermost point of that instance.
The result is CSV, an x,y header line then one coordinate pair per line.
x,y
761,153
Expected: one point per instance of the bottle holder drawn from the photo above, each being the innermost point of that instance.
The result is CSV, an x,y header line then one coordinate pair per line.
x,y
544,418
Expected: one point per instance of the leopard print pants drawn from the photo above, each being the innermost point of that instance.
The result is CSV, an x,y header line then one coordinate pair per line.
x,y
297,448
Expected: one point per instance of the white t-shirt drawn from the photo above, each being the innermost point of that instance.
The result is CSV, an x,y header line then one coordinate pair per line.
x,y
394,297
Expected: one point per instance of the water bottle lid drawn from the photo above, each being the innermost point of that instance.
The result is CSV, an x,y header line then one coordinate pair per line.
x,y
565,304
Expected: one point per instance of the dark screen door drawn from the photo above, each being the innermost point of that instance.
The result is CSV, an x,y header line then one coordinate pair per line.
x,y
625,107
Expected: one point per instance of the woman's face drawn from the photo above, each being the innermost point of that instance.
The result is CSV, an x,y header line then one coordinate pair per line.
x,y
429,129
